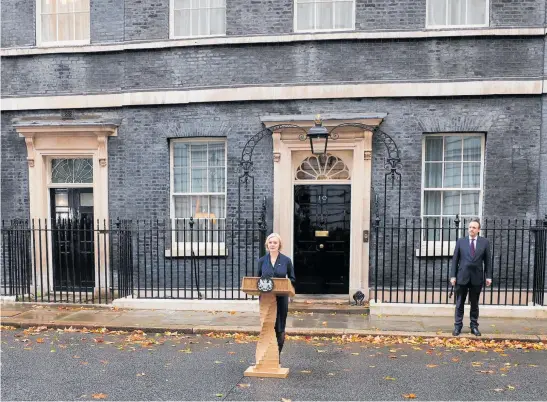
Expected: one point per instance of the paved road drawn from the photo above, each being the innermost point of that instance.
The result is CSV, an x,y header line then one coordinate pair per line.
x,y
52,365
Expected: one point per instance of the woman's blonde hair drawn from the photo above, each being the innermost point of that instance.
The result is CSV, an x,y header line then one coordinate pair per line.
x,y
278,238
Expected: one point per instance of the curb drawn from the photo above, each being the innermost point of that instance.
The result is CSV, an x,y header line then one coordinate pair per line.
x,y
290,331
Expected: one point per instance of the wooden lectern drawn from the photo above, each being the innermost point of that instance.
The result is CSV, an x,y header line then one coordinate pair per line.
x,y
267,351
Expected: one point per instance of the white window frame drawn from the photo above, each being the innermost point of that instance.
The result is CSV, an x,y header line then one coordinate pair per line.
x,y
172,25
200,248
431,26
440,248
60,43
295,20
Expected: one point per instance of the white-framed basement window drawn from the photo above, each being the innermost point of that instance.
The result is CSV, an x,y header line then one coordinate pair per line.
x,y
324,15
457,13
62,22
197,18
452,184
198,191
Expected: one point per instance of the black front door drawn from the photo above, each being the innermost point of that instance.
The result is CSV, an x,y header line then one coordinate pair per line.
x,y
73,238
322,238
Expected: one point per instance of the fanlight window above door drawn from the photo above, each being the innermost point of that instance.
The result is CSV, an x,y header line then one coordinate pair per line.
x,y
72,171
322,167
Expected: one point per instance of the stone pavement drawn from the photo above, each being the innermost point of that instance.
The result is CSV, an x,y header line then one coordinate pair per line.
x,y
304,323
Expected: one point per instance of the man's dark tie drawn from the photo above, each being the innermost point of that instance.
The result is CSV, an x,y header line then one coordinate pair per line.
x,y
472,247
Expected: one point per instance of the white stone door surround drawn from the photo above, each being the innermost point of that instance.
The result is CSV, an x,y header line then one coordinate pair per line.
x,y
354,147
46,140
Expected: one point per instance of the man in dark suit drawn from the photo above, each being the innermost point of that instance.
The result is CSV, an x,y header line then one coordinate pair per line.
x,y
471,260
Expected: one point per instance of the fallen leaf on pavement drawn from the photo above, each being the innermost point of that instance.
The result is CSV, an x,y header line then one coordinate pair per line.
x,y
305,371
40,340
243,385
389,378
285,400
432,365
355,353
140,374
219,395
99,396
498,389
409,396
510,387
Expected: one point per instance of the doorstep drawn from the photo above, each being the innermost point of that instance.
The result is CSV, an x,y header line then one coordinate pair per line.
x,y
447,310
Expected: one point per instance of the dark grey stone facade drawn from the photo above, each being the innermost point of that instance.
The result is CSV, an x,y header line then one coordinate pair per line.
x,y
139,181
295,63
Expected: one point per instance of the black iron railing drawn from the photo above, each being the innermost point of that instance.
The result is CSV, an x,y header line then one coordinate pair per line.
x,y
97,262
412,258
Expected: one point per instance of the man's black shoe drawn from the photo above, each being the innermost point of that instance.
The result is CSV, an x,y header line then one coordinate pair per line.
x,y
457,331
475,331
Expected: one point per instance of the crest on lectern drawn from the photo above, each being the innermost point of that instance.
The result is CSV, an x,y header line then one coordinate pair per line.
x,y
265,284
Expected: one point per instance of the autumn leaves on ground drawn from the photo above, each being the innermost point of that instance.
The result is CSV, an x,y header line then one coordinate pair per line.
x,y
116,365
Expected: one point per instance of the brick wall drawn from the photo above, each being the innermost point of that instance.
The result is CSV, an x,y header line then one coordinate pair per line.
x,y
517,13
139,181
18,23
310,62
253,17
107,21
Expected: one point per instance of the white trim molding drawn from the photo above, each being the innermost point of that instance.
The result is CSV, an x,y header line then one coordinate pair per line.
x,y
273,92
285,38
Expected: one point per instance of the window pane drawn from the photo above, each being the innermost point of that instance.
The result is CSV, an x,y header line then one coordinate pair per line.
x,y
182,206
199,180
343,15
471,174
433,230
216,180
472,149
436,12
218,206
433,175
451,202
324,15
182,4
449,232
194,17
82,26
81,5
49,28
65,6
203,21
476,12
66,27
456,12
432,203
181,154
48,6
200,206
199,155
452,174
470,203
86,199
72,171
218,21
434,149
182,23
305,16
453,148
181,180
216,155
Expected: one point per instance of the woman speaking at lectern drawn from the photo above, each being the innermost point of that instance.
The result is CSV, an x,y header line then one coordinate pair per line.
x,y
277,265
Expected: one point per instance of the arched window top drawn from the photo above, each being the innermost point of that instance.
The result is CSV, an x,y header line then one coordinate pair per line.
x,y
322,167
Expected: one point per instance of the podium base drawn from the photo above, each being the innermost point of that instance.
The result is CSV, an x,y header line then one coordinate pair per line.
x,y
252,371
